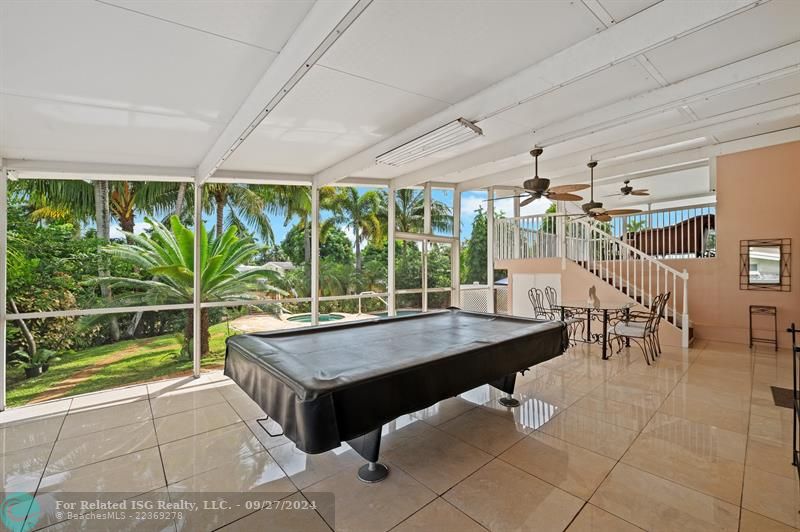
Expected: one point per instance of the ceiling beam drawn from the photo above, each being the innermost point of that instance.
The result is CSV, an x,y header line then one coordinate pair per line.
x,y
33,169
779,62
322,26
644,31
556,169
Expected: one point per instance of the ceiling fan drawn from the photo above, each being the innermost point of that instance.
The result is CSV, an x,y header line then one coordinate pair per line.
x,y
594,209
539,187
628,190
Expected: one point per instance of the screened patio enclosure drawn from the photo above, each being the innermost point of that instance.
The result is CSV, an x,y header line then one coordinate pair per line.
x,y
114,102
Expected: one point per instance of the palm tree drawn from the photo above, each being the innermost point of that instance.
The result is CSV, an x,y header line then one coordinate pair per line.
x,y
410,212
360,213
168,254
242,206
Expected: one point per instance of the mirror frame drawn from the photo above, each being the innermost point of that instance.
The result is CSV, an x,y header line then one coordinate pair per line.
x,y
784,283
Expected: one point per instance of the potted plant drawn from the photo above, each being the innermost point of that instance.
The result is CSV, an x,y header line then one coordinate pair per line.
x,y
34,365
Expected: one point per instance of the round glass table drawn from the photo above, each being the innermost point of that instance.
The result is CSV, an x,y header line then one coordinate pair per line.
x,y
601,311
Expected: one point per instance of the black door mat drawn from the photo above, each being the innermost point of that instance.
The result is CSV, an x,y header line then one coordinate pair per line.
x,y
782,396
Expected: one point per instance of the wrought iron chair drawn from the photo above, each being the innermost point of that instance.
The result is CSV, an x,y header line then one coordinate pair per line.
x,y
537,300
570,317
641,328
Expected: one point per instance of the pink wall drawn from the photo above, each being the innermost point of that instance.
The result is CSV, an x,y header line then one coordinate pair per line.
x,y
757,197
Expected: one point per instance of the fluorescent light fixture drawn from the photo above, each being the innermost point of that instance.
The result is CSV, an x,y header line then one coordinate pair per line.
x,y
660,149
441,138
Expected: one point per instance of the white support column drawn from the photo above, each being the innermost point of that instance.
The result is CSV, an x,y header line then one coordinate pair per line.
x,y
197,298
685,320
516,224
561,233
314,254
390,266
490,250
426,229
3,258
455,267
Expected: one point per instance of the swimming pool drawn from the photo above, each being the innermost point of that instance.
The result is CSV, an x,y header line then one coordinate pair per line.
x,y
306,318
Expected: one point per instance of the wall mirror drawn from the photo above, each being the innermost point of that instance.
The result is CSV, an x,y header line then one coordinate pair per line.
x,y
765,264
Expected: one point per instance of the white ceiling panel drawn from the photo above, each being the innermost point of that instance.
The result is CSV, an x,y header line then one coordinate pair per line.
x,y
450,50
264,23
760,127
94,54
763,28
50,130
328,116
607,86
747,96
694,181
622,9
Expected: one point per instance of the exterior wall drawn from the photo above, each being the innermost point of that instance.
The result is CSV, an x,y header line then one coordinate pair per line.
x,y
756,198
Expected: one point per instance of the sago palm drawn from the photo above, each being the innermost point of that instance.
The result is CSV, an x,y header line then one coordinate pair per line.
x,y
168,255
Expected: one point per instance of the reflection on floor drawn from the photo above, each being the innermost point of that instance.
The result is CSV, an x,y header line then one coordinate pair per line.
x,y
692,443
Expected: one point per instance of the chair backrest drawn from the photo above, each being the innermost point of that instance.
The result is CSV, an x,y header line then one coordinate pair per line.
x,y
662,304
656,306
552,297
537,300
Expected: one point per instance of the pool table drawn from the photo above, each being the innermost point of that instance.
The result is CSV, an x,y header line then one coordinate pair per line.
x,y
340,383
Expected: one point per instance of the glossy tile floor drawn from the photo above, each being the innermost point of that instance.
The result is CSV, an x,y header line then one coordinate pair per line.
x,y
691,443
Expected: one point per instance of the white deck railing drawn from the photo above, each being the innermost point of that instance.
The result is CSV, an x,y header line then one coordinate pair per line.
x,y
590,245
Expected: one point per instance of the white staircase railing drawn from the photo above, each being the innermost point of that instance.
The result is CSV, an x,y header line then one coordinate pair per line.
x,y
589,244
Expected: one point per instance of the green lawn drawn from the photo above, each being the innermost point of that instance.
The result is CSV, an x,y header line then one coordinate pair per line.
x,y
149,359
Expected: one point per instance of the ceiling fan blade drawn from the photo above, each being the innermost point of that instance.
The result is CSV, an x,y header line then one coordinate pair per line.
x,y
563,196
640,192
527,200
613,195
597,210
620,212
603,218
564,189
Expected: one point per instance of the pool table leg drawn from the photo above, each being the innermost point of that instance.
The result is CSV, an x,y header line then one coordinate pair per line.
x,y
369,446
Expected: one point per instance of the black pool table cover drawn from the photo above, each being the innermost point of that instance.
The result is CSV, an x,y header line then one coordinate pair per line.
x,y
332,383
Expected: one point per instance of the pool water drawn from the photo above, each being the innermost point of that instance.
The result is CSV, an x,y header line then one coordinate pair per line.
x,y
306,318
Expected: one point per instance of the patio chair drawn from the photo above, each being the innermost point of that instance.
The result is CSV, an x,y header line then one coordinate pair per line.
x,y
539,310
664,301
571,318
641,328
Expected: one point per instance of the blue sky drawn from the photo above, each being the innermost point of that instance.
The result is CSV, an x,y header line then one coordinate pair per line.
x,y
470,202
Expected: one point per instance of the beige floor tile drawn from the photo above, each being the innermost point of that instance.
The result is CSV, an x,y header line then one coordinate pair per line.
x,y
241,402
104,399
357,506
23,468
532,413
307,469
775,430
753,522
630,416
590,433
486,431
37,412
169,403
770,457
773,496
191,422
444,411
657,504
438,460
133,473
627,394
698,456
440,516
502,497
296,515
94,420
129,524
71,453
266,439
573,469
194,455
253,478
724,398
17,436
702,411
593,519
403,430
